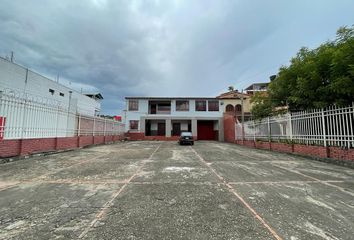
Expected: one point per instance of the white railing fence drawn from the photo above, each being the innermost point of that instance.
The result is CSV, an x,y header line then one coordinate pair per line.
x,y
27,116
332,126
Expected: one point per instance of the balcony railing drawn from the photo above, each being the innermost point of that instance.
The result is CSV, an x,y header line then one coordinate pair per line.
x,y
161,112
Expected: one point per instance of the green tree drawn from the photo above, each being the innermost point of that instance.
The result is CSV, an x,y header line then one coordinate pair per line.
x,y
317,78
261,105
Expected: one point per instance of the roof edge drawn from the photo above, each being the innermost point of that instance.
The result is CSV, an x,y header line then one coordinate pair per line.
x,y
170,98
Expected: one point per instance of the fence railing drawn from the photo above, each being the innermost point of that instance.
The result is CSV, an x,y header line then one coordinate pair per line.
x,y
332,126
26,116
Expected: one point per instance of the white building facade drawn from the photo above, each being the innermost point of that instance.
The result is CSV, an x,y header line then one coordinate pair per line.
x,y
22,81
168,117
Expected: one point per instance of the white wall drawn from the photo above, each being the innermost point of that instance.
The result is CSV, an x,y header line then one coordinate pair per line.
x,y
135,115
193,113
13,76
144,110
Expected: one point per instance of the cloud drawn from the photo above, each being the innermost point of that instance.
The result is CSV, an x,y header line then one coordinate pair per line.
x,y
161,47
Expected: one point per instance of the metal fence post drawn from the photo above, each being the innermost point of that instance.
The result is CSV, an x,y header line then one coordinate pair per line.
x,y
2,122
269,130
79,126
68,119
94,126
324,128
104,130
1,93
57,123
24,118
254,131
242,117
290,128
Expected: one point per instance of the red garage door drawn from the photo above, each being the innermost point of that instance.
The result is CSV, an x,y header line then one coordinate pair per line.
x,y
206,130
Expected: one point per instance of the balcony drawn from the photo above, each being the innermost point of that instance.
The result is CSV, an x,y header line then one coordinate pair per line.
x,y
160,107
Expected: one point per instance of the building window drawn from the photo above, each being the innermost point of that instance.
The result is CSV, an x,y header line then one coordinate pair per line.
x,y
51,91
133,105
164,107
229,108
61,94
200,105
133,124
213,106
182,105
238,108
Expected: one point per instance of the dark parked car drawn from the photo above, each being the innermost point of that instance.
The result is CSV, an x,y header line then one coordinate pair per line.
x,y
186,138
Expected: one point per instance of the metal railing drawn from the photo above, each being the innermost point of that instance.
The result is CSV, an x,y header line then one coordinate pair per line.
x,y
332,126
27,116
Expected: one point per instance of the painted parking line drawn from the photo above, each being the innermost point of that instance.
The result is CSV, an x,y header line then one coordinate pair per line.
x,y
327,183
72,165
42,177
235,193
108,204
6,185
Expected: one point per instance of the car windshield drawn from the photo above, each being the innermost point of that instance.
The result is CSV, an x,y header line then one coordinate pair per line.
x,y
186,134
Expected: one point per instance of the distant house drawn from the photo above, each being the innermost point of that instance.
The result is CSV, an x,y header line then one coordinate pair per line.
x,y
118,118
232,104
166,117
257,87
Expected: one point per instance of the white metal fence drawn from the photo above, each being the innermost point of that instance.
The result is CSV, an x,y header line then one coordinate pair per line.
x,y
30,116
332,126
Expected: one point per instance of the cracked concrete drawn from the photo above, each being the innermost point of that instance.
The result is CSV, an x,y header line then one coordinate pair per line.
x,y
160,190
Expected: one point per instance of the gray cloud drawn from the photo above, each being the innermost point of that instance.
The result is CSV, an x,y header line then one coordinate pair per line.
x,y
164,47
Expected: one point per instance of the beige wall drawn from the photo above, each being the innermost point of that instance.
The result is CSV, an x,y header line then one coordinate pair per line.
x,y
246,103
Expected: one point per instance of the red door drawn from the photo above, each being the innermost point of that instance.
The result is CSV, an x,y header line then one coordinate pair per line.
x,y
206,130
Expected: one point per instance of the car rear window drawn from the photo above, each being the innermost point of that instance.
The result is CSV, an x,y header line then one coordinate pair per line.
x,y
186,134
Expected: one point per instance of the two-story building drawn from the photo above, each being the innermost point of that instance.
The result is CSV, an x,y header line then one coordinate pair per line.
x,y
167,117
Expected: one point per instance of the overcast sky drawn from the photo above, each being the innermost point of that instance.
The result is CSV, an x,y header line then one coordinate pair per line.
x,y
164,48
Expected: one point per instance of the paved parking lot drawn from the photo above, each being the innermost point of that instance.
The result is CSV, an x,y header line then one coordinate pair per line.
x,y
159,190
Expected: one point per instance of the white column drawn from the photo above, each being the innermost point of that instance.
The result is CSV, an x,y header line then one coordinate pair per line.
x,y
194,127
142,125
168,127
221,129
